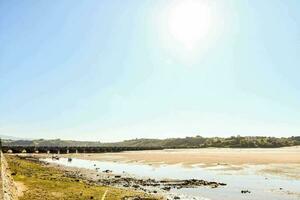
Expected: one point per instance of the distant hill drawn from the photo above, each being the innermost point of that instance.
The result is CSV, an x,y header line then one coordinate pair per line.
x,y
6,137
187,142
56,142
202,142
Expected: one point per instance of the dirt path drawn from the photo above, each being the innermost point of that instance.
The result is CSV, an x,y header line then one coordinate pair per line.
x,y
21,188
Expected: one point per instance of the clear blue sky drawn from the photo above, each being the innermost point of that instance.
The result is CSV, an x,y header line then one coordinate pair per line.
x,y
120,69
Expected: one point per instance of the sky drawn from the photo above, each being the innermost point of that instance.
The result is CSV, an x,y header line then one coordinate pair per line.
x,y
122,69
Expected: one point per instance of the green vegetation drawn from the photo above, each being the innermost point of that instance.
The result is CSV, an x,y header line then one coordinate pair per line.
x,y
202,142
43,182
188,142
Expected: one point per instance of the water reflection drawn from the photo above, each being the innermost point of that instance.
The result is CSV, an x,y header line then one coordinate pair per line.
x,y
260,187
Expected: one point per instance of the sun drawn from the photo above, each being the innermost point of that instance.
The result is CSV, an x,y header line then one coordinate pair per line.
x,y
189,22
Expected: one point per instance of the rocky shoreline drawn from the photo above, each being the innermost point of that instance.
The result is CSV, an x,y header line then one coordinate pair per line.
x,y
147,185
136,179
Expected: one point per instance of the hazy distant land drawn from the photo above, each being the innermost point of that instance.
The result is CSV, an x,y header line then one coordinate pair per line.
x,y
187,142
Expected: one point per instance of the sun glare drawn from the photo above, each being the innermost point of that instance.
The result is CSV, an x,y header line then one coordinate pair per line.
x,y
189,22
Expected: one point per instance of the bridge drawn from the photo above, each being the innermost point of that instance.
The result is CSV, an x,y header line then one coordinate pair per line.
x,y
71,149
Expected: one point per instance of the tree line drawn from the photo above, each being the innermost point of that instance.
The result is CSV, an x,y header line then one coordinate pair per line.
x,y
187,142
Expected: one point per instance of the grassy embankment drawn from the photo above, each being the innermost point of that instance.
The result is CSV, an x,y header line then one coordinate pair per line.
x,y
44,182
1,186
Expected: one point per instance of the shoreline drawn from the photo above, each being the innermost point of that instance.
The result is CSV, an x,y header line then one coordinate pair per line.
x,y
209,156
280,161
266,171
38,177
138,183
148,185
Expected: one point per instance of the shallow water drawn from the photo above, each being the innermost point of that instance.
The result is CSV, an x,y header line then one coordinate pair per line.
x,y
261,186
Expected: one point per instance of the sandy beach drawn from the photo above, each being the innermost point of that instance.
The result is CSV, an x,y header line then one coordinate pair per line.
x,y
239,169
278,161
275,169
289,155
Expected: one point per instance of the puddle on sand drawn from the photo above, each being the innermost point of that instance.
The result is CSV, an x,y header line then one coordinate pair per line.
x,y
260,186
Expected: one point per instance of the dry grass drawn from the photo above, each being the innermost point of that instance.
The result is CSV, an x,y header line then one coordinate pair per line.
x,y
49,183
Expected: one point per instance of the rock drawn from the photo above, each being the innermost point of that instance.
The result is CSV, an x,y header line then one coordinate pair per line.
x,y
137,198
167,188
245,191
107,171
135,186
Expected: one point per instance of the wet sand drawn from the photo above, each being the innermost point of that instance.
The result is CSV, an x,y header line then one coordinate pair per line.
x,y
208,156
238,178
